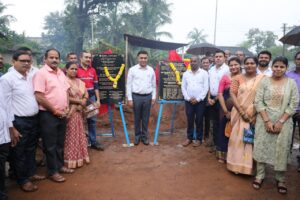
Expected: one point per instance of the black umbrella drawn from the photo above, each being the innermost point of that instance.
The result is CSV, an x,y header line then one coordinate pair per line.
x,y
292,37
202,49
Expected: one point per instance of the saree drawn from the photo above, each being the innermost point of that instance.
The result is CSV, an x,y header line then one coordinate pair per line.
x,y
75,149
239,155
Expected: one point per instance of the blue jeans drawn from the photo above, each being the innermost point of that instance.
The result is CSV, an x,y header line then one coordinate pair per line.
x,y
92,124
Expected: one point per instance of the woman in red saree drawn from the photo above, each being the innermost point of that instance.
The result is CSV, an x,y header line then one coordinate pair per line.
x,y
75,150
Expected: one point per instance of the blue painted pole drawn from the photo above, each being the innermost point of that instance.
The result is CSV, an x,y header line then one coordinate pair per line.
x,y
124,124
173,118
158,122
111,119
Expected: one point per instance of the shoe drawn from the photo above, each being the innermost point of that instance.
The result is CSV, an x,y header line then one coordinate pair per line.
x,y
37,177
57,178
137,140
97,146
196,143
187,143
29,187
65,170
145,141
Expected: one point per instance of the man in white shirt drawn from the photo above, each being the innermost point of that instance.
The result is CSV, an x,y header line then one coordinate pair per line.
x,y
141,94
19,95
6,119
264,58
216,72
194,89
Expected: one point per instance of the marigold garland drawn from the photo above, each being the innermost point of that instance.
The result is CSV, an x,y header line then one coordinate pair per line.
x,y
116,79
177,73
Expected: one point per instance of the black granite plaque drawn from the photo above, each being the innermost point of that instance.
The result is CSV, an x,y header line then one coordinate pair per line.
x,y
168,88
107,92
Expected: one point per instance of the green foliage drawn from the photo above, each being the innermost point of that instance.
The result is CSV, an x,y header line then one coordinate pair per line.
x,y
196,36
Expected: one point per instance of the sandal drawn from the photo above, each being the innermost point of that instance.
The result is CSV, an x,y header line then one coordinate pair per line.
x,y
257,183
37,177
281,187
65,170
57,178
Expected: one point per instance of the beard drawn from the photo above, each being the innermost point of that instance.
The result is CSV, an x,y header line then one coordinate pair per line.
x,y
263,63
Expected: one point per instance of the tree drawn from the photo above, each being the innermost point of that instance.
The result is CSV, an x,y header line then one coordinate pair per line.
x,y
196,36
260,40
4,19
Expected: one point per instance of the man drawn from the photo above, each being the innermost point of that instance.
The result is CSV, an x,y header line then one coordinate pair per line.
x,y
141,94
1,65
72,57
227,55
216,72
241,55
194,89
19,95
205,65
295,74
89,76
7,139
264,58
51,91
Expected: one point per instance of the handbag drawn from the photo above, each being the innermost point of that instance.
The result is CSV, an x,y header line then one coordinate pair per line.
x,y
228,129
248,136
91,110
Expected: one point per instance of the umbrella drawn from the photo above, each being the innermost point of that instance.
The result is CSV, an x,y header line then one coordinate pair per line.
x,y
202,49
292,37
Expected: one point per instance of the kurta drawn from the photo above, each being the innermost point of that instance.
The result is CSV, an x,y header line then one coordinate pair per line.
x,y
275,100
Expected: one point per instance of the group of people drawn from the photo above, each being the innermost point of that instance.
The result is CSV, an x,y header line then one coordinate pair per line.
x,y
254,109
46,103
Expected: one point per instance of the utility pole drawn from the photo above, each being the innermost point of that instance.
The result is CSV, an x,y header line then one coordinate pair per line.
x,y
216,15
283,46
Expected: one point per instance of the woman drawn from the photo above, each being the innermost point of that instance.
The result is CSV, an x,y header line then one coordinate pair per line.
x,y
226,105
242,92
75,151
276,101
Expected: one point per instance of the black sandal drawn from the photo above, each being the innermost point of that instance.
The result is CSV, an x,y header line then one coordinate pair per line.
x,y
281,188
257,183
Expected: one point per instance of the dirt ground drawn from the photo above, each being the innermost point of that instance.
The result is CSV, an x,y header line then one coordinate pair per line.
x,y
167,171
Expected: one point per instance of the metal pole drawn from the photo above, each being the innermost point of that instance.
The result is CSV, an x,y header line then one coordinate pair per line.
x,y
216,15
283,46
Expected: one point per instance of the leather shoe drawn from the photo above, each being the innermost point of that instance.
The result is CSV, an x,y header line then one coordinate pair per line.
x,y
187,143
137,140
29,187
57,178
145,141
97,146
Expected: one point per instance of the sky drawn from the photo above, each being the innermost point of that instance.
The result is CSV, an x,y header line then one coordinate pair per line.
x,y
234,17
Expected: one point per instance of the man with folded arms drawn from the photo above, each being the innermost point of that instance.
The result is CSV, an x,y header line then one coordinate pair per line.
x,y
194,89
51,91
19,96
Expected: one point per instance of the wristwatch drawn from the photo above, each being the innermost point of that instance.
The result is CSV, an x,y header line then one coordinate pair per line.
x,y
281,121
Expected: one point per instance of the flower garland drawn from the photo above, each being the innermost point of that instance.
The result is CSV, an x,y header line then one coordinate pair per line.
x,y
116,79
177,73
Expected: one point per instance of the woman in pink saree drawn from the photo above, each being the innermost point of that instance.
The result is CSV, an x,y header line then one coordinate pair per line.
x,y
242,91
75,150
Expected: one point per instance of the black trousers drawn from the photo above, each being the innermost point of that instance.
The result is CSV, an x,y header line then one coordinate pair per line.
x,y
206,120
53,130
215,117
23,154
194,114
4,149
141,109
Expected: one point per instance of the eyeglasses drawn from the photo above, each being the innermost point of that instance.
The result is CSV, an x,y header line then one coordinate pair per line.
x,y
25,61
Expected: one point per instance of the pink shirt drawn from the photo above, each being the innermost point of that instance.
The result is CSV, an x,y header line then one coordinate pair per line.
x,y
53,85
224,83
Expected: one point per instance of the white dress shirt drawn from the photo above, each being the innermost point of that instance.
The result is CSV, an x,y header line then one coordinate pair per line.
x,y
19,94
141,80
6,119
194,84
215,76
268,72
